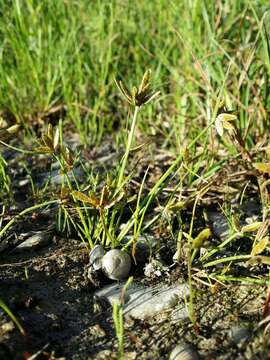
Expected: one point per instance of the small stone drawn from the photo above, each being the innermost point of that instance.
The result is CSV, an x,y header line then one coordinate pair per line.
x,y
145,245
103,355
3,245
7,327
143,302
23,182
36,241
220,224
184,351
240,334
155,269
97,331
130,355
56,178
251,208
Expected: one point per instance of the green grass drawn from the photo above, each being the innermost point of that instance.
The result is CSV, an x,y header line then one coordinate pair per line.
x,y
57,54
58,64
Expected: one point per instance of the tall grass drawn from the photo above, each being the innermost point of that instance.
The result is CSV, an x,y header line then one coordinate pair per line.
x,y
64,55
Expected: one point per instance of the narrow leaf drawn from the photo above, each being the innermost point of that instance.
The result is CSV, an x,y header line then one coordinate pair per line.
x,y
219,127
260,246
252,227
56,139
81,197
201,238
259,259
145,80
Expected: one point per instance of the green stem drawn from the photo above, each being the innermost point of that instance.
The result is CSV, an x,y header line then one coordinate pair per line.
x,y
25,211
18,149
220,246
157,187
129,143
189,264
228,259
12,316
80,213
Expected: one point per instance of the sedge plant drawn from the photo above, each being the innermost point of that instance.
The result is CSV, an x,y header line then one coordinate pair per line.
x,y
51,143
137,97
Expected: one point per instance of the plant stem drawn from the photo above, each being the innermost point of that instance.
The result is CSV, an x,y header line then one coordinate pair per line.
x,y
69,183
228,259
189,263
18,149
119,328
129,143
12,317
157,187
25,211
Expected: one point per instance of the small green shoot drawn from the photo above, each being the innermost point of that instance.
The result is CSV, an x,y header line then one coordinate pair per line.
x,y
12,317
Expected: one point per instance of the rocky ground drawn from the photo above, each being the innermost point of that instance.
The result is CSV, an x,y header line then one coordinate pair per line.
x,y
65,316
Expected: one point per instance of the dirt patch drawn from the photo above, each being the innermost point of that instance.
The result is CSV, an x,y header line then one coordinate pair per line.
x,y
55,305
47,291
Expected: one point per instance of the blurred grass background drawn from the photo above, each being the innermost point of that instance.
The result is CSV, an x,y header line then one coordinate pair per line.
x,y
59,58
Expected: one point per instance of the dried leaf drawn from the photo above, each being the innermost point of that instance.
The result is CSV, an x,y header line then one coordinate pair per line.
x,y
43,150
68,156
260,246
134,92
13,129
56,139
219,127
138,96
228,126
178,206
123,90
259,259
94,201
47,141
152,97
262,230
81,197
116,200
252,227
186,155
223,122
262,167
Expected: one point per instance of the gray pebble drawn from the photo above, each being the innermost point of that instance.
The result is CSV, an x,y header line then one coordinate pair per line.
x,y
240,334
142,302
36,241
184,351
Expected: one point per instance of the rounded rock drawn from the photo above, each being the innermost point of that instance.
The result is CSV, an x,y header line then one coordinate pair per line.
x,y
116,264
240,335
184,352
95,257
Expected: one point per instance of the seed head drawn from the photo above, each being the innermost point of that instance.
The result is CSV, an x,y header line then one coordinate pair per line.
x,y
141,95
